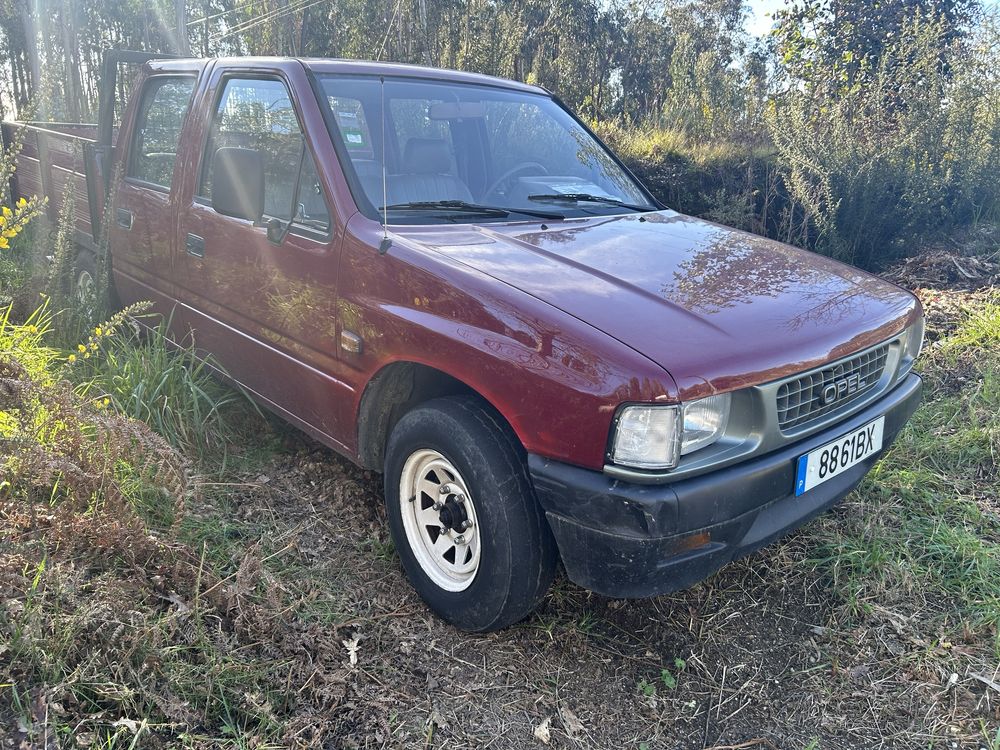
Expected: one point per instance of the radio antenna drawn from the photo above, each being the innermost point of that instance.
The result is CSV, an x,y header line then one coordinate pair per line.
x,y
386,243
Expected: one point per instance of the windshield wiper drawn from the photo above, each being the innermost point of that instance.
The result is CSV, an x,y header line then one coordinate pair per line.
x,y
472,208
587,198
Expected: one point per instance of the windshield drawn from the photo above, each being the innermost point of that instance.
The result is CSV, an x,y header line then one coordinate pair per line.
x,y
460,153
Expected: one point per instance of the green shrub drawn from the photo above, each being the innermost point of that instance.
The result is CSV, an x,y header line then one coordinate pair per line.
x,y
886,164
740,184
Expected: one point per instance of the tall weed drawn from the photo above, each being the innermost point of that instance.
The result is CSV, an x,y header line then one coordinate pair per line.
x,y
145,375
61,447
105,616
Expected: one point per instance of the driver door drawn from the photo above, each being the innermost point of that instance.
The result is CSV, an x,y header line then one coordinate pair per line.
x,y
266,309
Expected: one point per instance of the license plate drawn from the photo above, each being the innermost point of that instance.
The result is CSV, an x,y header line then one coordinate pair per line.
x,y
835,458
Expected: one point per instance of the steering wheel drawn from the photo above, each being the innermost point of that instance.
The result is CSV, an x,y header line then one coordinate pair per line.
x,y
517,169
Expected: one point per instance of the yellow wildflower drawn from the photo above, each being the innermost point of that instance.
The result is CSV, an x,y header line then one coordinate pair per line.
x,y
81,348
4,243
71,358
22,202
107,402
98,331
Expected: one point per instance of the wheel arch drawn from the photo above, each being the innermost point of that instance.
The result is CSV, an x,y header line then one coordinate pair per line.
x,y
396,389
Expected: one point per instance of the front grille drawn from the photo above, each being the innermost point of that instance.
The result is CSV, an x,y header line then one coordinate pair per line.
x,y
807,398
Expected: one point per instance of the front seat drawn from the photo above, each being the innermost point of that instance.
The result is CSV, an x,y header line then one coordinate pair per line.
x,y
425,175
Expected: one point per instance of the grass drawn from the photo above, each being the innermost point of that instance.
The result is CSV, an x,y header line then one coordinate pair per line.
x,y
673,144
106,611
734,182
926,534
225,621
147,377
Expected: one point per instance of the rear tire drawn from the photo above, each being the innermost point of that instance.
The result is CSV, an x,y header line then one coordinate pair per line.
x,y
86,278
463,515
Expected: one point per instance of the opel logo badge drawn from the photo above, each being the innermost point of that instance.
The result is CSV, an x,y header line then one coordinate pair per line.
x,y
829,394
838,389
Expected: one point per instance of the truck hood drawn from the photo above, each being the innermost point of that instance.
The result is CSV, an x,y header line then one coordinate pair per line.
x,y
717,308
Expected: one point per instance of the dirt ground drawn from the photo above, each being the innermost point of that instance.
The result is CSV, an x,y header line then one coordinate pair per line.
x,y
758,656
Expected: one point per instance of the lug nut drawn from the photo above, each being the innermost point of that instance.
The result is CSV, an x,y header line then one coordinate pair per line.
x,y
459,539
459,497
466,525
438,505
445,489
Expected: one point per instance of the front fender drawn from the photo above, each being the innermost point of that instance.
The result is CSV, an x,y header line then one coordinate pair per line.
x,y
554,378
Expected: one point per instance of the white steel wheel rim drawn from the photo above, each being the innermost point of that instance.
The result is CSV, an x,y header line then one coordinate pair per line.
x,y
439,520
85,287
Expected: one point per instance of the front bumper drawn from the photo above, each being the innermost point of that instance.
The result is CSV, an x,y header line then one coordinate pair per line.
x,y
628,540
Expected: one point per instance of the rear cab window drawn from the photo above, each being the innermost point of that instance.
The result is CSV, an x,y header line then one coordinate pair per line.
x,y
159,121
258,114
414,128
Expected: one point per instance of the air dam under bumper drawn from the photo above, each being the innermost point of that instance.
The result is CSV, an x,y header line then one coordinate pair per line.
x,y
628,540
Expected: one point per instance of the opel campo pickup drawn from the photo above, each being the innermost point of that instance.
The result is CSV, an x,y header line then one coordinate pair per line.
x,y
448,279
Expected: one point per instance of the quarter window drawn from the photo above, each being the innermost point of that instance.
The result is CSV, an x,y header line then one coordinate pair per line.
x,y
158,130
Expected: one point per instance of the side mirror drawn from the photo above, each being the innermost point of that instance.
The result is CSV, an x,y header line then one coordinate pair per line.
x,y
276,231
238,183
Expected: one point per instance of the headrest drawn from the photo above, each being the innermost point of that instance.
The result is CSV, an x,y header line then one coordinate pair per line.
x,y
426,156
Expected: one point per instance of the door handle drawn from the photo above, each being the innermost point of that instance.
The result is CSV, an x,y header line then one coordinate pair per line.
x,y
195,246
123,217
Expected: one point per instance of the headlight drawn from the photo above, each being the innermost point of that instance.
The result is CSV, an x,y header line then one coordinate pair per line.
x,y
705,421
913,344
655,437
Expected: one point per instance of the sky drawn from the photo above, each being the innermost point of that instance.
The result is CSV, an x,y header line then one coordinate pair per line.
x,y
759,22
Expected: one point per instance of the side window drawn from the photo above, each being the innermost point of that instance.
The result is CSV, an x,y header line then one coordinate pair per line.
x,y
158,130
415,128
257,113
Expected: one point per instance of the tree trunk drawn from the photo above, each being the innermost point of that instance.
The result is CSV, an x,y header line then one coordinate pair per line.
x,y
180,11
31,51
71,56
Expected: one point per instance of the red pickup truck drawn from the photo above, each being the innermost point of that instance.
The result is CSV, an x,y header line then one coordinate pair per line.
x,y
449,279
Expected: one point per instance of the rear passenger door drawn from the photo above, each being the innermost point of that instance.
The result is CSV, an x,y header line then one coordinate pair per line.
x,y
267,311
144,211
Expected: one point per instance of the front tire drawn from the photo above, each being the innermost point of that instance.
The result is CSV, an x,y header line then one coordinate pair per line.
x,y
463,516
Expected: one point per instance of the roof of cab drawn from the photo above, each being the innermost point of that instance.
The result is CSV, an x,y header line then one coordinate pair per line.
x,y
365,67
